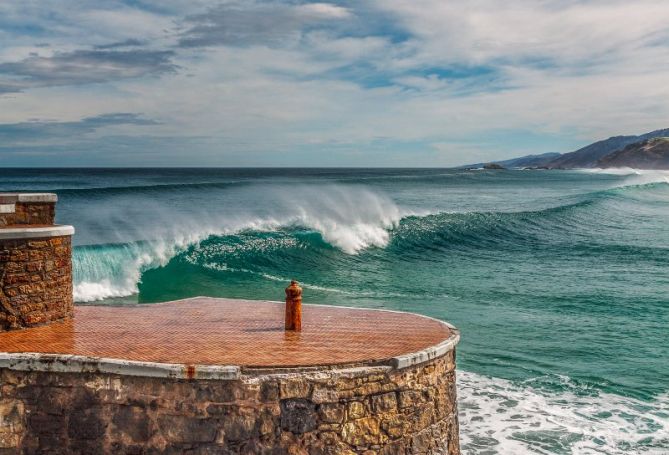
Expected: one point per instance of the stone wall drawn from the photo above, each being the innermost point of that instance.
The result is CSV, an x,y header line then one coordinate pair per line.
x,y
35,281
30,214
365,410
35,262
27,209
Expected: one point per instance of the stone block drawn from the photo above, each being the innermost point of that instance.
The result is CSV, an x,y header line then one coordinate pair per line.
x,y
298,416
361,432
269,391
394,448
294,388
267,423
356,410
331,412
86,424
183,429
324,394
132,422
386,402
11,423
409,398
239,427
422,442
395,426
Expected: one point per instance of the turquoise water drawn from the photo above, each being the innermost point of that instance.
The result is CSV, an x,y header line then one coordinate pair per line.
x,y
558,280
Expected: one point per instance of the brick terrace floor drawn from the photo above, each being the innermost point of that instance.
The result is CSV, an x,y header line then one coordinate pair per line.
x,y
230,332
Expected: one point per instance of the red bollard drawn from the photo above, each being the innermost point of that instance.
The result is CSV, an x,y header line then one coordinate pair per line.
x,y
294,307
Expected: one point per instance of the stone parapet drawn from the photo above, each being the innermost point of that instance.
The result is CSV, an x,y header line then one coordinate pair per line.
x,y
364,410
27,209
35,281
35,262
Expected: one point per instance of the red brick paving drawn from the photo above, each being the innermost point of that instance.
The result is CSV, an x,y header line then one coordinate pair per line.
x,y
230,332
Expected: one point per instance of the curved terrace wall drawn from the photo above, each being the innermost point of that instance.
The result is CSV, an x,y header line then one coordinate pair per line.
x,y
359,410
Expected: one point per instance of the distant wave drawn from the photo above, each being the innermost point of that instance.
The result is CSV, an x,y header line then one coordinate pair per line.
x,y
553,415
114,190
634,176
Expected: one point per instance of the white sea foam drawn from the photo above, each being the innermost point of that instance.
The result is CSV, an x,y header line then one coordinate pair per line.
x,y
634,176
113,271
350,218
88,291
504,417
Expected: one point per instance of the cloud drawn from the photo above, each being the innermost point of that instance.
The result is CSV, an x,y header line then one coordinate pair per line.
x,y
38,130
84,67
561,34
251,23
130,42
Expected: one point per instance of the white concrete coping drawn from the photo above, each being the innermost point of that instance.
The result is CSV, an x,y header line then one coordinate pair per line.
x,y
10,198
7,208
61,363
433,352
29,232
429,353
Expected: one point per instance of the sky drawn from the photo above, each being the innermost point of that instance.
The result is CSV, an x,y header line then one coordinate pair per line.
x,y
354,83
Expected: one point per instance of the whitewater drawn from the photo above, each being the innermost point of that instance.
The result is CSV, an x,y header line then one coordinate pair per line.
x,y
557,279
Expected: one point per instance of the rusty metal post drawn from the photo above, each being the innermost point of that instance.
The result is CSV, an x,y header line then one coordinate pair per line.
x,y
294,307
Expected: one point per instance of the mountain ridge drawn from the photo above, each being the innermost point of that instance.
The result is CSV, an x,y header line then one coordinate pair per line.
x,y
650,154
638,153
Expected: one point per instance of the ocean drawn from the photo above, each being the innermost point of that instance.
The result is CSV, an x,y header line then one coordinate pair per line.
x,y
558,280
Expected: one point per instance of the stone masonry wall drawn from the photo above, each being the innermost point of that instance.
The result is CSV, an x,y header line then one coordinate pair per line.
x,y
35,281
30,214
370,411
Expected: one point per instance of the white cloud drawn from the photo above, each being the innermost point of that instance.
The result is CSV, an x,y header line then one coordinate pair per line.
x,y
563,32
579,71
123,23
323,10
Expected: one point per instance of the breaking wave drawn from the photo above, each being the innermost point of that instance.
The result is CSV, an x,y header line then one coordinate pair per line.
x,y
348,218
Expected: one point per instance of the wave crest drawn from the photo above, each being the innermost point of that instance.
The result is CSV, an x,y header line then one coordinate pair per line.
x,y
350,218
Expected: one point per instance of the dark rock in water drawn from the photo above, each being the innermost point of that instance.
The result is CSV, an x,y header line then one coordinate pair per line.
x,y
493,166
524,162
648,154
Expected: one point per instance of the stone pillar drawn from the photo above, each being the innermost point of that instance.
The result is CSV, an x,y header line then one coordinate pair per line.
x,y
35,262
294,307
